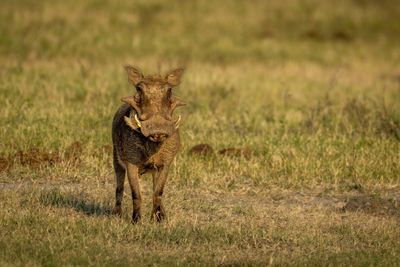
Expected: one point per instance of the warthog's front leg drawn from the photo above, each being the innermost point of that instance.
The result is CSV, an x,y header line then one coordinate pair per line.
x,y
133,177
159,179
119,192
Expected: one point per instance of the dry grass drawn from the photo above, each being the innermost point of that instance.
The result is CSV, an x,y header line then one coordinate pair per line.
x,y
72,225
303,97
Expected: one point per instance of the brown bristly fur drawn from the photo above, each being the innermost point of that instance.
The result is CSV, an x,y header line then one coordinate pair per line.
x,y
146,138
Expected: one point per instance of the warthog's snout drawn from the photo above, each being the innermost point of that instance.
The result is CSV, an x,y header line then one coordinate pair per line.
x,y
157,129
158,137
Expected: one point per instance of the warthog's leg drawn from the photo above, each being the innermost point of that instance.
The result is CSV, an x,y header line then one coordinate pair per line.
x,y
159,179
120,176
133,177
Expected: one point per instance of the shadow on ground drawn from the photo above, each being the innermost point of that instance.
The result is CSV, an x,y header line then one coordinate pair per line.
x,y
80,203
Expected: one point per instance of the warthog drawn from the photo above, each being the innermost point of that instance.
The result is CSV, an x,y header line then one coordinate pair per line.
x,y
146,137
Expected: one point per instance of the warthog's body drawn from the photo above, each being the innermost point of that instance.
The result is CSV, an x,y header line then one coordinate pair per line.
x,y
146,137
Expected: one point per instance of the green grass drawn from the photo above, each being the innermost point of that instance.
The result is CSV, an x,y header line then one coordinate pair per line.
x,y
311,87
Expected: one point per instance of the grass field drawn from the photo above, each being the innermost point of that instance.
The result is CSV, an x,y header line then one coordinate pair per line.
x,y
311,87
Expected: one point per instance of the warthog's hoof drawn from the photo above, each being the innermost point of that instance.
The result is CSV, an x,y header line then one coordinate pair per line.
x,y
158,214
117,211
136,216
158,217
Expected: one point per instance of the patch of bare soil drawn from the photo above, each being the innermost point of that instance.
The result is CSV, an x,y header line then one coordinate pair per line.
x,y
338,35
374,206
312,34
278,200
201,149
342,36
262,201
347,202
35,158
74,151
5,163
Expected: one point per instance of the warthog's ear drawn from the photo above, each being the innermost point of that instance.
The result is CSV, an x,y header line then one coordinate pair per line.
x,y
174,77
134,75
176,102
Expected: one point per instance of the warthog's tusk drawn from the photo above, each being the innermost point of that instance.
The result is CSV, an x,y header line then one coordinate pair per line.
x,y
177,122
137,121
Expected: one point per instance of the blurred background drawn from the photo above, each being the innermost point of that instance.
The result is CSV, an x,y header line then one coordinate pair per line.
x,y
266,75
221,32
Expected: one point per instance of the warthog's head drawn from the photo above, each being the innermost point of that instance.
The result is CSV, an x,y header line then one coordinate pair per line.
x,y
154,103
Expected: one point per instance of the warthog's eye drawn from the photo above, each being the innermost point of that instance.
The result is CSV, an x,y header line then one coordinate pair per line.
x,y
169,93
139,93
139,88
